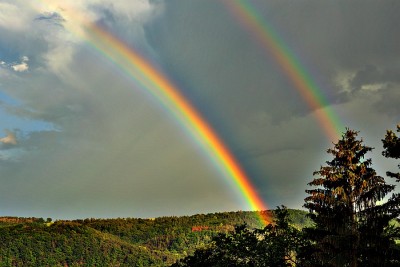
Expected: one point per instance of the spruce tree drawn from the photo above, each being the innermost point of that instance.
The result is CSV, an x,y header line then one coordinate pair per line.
x,y
391,144
343,205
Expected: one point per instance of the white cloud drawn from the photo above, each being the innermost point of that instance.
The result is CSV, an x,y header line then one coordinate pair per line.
x,y
23,66
76,12
59,58
8,15
131,9
22,17
63,42
18,67
342,79
15,16
373,86
9,139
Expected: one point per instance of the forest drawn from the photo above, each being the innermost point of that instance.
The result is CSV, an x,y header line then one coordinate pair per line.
x,y
118,242
351,218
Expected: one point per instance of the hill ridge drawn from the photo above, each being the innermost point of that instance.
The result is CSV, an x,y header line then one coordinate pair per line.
x,y
116,241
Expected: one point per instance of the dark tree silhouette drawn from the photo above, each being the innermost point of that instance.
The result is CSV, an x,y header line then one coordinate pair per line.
x,y
391,144
349,223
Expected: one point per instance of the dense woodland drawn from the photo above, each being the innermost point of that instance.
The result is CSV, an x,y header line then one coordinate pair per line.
x,y
352,220
355,213
117,242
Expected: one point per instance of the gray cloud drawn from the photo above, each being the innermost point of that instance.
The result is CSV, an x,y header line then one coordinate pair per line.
x,y
115,147
240,88
388,101
95,140
371,77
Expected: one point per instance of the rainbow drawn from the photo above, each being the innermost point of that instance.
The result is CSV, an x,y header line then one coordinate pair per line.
x,y
142,72
269,40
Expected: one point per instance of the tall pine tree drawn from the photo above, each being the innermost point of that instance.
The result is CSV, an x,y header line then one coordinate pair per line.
x,y
343,205
391,144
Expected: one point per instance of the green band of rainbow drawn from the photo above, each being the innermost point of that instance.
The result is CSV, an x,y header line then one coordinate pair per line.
x,y
148,77
269,40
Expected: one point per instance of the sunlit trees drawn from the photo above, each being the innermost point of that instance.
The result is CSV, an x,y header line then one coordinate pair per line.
x,y
344,206
277,245
281,242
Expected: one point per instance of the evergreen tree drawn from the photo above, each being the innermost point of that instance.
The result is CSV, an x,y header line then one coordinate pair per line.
x,y
343,204
391,144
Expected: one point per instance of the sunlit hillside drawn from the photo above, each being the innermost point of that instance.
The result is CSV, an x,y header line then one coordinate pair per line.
x,y
116,242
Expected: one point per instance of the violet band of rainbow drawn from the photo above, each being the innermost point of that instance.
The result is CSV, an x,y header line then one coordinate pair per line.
x,y
143,73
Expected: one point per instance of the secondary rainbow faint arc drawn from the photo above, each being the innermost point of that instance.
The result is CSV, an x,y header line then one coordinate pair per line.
x,y
142,71
291,66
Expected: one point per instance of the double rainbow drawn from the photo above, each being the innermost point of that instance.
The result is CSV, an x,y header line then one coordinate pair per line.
x,y
143,73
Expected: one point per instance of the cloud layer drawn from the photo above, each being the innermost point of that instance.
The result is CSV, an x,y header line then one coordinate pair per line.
x,y
94,143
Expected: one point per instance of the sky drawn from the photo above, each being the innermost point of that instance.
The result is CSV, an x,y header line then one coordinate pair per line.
x,y
80,137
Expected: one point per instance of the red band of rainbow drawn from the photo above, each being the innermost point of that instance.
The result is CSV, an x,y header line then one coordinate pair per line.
x,y
142,72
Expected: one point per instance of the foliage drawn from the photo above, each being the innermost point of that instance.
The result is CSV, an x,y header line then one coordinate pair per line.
x,y
350,228
179,235
391,144
66,244
113,242
345,227
116,242
275,245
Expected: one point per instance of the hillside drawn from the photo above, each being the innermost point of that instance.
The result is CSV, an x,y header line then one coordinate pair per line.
x,y
116,242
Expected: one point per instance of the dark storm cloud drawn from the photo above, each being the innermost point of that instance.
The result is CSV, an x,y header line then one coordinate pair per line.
x,y
238,85
113,146
108,143
218,64
372,75
328,37
388,102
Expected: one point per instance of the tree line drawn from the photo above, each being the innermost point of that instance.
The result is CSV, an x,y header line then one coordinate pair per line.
x,y
352,220
354,211
116,242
